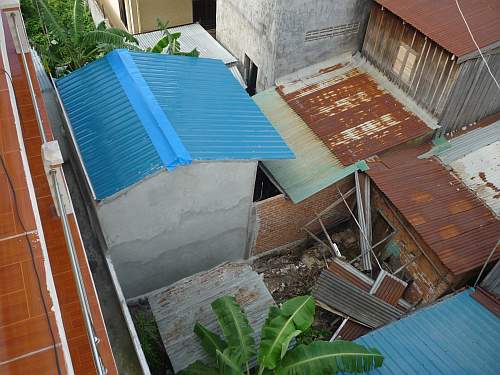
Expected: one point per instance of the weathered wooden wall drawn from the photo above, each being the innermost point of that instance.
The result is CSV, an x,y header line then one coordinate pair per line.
x,y
434,71
474,95
457,94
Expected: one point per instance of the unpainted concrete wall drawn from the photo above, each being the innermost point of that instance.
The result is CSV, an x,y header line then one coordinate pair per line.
x,y
177,223
272,32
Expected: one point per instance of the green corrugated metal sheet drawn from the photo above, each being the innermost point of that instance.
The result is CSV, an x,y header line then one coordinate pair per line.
x,y
314,167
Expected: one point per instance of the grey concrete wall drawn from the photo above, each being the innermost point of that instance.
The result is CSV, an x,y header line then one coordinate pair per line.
x,y
177,223
249,27
272,32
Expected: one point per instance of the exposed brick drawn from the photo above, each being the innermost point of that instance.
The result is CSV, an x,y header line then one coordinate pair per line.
x,y
280,221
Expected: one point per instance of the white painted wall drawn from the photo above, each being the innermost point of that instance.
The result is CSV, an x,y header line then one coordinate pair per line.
x,y
272,32
177,223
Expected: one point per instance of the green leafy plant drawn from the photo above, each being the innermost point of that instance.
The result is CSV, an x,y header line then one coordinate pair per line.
x,y
70,47
232,355
148,337
169,43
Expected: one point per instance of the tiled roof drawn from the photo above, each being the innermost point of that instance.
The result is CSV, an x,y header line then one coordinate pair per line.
x,y
135,113
447,216
315,167
441,21
454,336
350,111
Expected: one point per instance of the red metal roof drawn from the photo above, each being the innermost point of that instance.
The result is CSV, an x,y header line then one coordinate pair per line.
x,y
389,288
351,113
440,20
447,216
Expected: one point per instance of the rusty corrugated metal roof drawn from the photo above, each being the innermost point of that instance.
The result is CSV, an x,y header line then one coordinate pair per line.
x,y
352,330
388,288
441,21
352,114
449,218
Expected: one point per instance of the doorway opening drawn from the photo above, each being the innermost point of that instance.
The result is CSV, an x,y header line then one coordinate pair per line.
x,y
251,72
204,12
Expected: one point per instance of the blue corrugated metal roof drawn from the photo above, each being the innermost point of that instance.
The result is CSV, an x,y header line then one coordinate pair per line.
x,y
135,113
454,336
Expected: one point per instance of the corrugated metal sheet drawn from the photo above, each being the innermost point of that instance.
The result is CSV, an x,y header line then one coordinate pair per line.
x,y
491,282
441,21
115,147
464,144
352,330
135,113
475,159
488,300
454,336
350,274
349,300
212,115
314,167
388,288
178,307
192,36
449,218
350,112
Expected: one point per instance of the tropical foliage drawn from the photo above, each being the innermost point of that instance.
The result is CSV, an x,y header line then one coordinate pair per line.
x,y
233,354
169,43
70,47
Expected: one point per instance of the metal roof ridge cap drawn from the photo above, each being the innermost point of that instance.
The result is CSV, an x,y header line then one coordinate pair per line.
x,y
172,152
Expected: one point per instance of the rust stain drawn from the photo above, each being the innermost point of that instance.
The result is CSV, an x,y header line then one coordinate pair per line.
x,y
353,116
421,197
489,184
448,218
331,68
441,21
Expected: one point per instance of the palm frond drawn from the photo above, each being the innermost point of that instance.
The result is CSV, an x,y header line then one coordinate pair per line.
x,y
78,14
124,34
322,357
51,23
235,327
210,341
295,316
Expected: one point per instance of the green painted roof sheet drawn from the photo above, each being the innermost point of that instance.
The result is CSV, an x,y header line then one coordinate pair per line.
x,y
314,167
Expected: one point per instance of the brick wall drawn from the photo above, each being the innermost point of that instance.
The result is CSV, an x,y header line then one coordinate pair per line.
x,y
279,220
429,283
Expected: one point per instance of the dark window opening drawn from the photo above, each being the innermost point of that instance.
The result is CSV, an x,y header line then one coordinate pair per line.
x,y
123,12
264,187
204,12
251,72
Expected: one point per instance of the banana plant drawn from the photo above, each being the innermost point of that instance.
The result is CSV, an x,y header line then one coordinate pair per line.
x,y
70,48
233,354
169,43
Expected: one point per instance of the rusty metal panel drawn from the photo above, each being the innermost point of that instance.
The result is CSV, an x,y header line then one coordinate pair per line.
x,y
352,330
447,216
388,288
441,21
350,274
351,113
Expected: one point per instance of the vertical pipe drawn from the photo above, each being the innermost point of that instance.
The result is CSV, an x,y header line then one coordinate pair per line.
x,y
75,266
